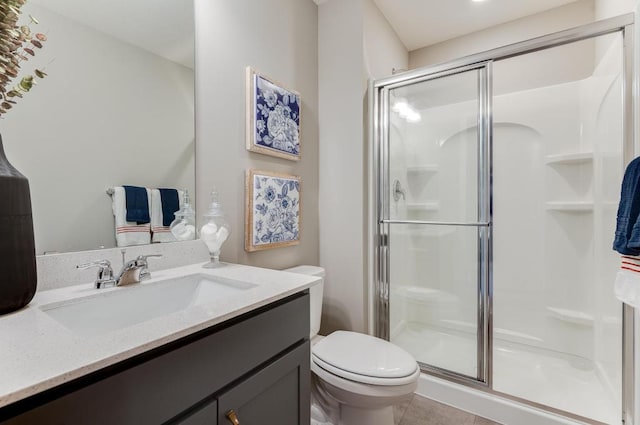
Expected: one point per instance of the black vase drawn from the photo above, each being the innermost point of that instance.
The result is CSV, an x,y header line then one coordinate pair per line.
x,y
18,277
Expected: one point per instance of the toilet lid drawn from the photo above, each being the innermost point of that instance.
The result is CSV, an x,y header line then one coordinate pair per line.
x,y
359,354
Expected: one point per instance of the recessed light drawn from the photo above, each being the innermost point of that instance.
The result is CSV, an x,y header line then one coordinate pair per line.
x,y
477,1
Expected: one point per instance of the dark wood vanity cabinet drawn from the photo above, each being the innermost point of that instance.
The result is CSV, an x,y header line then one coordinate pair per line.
x,y
270,396
255,366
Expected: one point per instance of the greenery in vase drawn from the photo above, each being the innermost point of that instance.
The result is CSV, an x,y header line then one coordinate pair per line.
x,y
17,44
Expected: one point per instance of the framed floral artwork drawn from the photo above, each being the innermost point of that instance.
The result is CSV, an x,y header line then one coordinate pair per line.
x,y
273,117
272,216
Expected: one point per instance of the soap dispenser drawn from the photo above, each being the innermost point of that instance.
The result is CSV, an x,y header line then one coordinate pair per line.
x,y
183,228
215,231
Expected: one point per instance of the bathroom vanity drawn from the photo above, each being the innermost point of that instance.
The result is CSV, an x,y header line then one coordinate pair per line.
x,y
243,357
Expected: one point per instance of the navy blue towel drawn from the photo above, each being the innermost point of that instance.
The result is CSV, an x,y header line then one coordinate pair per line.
x,y
137,203
170,204
627,239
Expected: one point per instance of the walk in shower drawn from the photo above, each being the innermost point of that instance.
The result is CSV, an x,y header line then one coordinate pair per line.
x,y
498,178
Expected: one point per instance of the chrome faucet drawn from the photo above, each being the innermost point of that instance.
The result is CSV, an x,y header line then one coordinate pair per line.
x,y
105,272
133,271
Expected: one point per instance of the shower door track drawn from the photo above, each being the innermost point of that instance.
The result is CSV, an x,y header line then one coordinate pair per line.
x,y
379,91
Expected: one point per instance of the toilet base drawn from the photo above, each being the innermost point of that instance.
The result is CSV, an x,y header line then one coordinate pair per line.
x,y
327,410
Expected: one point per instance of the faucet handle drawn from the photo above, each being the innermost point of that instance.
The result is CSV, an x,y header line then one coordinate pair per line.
x,y
99,263
144,257
105,272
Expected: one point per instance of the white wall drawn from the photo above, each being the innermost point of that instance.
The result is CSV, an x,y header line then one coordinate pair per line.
x,y
610,8
571,15
108,114
278,38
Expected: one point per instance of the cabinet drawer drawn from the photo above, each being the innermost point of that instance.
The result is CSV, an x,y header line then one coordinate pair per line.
x,y
277,394
157,386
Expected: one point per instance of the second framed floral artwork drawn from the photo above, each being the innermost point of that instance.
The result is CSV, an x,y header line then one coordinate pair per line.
x,y
273,117
272,216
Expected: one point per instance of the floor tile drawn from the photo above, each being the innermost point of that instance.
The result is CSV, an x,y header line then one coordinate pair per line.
x,y
398,410
423,411
483,421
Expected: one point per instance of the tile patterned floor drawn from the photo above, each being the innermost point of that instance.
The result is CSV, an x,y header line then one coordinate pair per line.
x,y
423,411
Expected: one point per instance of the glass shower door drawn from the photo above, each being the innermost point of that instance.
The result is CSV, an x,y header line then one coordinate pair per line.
x,y
557,153
435,219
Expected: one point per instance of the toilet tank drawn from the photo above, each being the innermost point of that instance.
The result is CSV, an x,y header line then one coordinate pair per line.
x,y
315,295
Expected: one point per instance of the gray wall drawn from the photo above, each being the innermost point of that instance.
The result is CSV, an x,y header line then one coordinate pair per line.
x,y
355,44
342,184
279,38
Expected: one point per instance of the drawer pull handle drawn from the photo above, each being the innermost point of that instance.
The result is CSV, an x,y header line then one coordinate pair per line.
x,y
231,415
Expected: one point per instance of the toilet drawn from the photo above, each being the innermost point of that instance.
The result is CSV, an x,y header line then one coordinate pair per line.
x,y
356,378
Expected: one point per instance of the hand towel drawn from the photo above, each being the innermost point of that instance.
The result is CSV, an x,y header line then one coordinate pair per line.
x,y
627,285
137,204
163,208
128,233
627,237
170,204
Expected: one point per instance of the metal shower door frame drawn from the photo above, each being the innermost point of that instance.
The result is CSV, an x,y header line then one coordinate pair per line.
x,y
483,222
379,202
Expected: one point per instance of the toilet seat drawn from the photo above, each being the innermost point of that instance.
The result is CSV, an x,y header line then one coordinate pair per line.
x,y
364,359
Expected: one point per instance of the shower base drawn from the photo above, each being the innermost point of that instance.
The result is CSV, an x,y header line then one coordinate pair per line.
x,y
550,378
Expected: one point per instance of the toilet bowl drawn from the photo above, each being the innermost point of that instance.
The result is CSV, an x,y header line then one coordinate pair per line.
x,y
357,378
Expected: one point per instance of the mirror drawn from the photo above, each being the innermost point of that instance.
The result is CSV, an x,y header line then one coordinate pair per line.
x,y
116,108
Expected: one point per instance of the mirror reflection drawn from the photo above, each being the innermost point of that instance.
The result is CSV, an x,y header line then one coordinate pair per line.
x,y
117,108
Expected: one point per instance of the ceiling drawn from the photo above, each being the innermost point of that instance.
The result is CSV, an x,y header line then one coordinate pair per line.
x,y
421,23
163,27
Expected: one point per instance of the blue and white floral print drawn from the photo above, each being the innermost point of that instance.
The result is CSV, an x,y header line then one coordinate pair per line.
x,y
276,209
277,117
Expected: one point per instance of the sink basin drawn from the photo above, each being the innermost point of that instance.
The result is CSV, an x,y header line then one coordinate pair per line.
x,y
131,305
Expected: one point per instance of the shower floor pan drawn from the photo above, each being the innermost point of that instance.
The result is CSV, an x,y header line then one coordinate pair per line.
x,y
554,379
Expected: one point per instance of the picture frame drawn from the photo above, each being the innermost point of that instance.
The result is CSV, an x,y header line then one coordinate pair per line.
x,y
273,117
273,210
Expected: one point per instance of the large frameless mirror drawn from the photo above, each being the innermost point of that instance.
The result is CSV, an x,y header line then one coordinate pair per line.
x,y
117,108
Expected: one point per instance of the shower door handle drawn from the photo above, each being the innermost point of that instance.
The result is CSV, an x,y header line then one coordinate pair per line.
x,y
438,223
398,191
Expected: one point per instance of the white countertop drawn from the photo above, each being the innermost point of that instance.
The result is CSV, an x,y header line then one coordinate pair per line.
x,y
38,353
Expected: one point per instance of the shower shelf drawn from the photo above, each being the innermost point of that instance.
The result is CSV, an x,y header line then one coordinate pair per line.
x,y
574,206
424,206
569,158
422,170
571,316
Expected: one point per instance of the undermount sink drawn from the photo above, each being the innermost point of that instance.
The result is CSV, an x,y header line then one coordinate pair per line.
x,y
131,305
